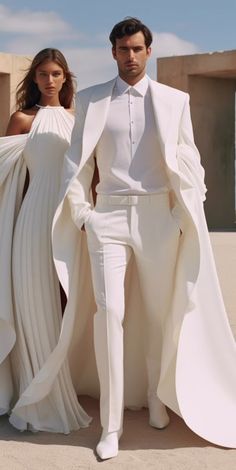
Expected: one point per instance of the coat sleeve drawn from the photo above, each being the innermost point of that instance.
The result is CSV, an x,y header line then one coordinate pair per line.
x,y
79,192
187,153
12,177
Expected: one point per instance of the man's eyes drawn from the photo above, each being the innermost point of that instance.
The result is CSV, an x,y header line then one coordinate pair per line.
x,y
135,49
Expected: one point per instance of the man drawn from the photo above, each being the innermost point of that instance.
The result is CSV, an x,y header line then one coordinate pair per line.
x,y
148,208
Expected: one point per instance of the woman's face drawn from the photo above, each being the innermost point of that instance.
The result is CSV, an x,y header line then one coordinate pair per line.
x,y
49,77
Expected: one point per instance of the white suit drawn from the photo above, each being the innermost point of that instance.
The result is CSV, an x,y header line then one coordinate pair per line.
x,y
198,370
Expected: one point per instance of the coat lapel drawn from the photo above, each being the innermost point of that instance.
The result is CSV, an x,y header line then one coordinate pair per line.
x,y
95,119
164,116
162,111
97,114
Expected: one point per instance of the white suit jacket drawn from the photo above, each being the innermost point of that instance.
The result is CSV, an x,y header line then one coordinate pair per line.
x,y
198,372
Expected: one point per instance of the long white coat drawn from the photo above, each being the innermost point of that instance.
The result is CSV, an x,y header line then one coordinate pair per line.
x,y
198,373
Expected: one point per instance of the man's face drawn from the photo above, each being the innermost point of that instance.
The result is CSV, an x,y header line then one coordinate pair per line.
x,y
131,54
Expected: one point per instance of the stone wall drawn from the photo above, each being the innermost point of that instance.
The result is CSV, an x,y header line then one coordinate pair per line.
x,y
12,70
210,79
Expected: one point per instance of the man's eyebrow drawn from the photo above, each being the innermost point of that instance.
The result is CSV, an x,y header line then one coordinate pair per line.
x,y
131,47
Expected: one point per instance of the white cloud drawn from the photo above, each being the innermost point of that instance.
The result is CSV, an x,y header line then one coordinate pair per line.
x,y
94,65
30,45
166,45
26,32
33,23
91,65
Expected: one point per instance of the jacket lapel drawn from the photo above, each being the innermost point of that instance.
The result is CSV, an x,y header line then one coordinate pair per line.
x,y
95,118
97,113
162,111
164,114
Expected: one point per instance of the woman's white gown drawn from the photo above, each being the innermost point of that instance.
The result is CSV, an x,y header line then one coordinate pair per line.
x,y
36,303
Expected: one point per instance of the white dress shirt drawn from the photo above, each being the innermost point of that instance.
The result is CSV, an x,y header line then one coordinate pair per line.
x,y
128,153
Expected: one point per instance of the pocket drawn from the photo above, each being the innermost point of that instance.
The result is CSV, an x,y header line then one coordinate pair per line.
x,y
89,216
176,216
88,221
96,222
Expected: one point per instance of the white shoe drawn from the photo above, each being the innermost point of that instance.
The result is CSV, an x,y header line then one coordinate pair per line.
x,y
158,417
108,445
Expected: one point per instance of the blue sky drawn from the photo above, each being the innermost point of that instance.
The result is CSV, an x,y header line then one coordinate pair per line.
x,y
81,28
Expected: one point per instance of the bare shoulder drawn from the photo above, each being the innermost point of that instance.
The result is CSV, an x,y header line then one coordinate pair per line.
x,y
20,121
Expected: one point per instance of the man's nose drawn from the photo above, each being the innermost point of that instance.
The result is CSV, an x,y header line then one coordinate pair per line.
x,y
131,54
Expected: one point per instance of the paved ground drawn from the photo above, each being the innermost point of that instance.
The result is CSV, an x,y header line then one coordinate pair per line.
x,y
141,447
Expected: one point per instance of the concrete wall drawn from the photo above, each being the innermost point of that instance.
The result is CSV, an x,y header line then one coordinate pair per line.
x,y
224,248
175,71
12,70
210,79
213,109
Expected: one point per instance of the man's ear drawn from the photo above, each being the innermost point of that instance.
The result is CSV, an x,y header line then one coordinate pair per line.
x,y
149,51
113,52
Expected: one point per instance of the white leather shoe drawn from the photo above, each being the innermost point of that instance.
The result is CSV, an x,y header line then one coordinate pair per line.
x,y
108,445
158,416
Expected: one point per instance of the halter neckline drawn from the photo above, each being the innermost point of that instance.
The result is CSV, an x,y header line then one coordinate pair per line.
x,y
47,106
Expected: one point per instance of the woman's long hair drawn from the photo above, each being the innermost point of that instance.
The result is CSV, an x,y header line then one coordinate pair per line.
x,y
28,94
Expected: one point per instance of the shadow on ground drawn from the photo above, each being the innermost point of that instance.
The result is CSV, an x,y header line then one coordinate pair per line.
x,y
137,432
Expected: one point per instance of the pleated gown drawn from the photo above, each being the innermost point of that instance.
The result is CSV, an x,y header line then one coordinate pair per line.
x,y
37,306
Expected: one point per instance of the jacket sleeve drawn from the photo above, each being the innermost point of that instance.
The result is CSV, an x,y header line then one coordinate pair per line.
x,y
187,153
79,192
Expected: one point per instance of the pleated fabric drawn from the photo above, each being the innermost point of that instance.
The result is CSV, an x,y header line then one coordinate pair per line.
x,y
35,286
12,175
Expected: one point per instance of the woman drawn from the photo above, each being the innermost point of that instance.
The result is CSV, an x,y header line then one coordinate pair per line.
x,y
38,135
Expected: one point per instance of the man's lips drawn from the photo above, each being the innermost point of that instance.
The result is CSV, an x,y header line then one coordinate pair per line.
x,y
131,64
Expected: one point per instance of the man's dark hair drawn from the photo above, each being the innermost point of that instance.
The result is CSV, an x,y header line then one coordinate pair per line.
x,y
128,27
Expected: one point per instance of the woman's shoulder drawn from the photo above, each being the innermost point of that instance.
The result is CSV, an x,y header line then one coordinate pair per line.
x,y
20,121
70,111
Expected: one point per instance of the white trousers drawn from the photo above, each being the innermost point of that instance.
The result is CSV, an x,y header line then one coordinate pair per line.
x,y
117,228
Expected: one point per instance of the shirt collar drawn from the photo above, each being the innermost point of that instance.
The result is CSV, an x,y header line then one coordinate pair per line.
x,y
140,87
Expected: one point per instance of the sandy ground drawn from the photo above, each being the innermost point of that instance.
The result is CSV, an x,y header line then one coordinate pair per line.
x,y
141,447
